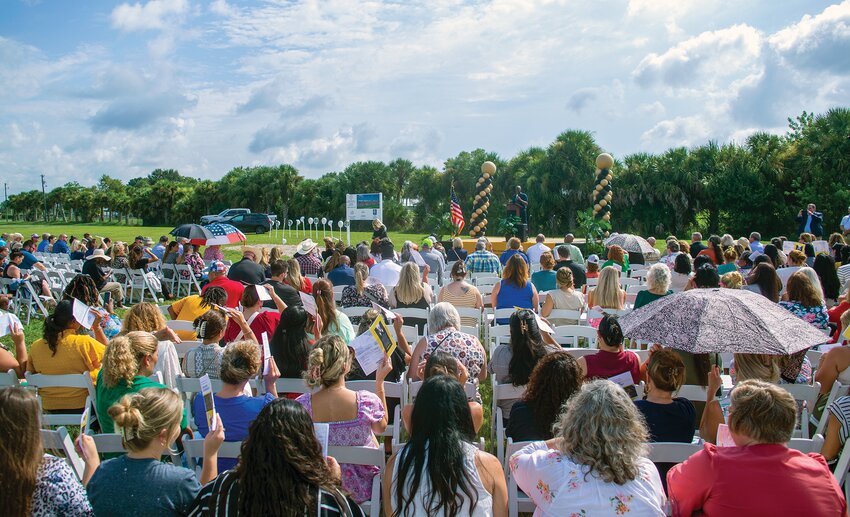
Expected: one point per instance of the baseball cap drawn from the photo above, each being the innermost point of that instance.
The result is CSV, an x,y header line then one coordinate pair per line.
x,y
216,266
593,259
427,242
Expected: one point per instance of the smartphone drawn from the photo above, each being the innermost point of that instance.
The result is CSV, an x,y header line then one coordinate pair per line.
x,y
106,297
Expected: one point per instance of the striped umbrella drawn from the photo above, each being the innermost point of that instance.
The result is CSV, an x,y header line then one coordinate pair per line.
x,y
222,234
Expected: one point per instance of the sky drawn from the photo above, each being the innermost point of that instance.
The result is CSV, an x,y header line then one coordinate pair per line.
x,y
202,86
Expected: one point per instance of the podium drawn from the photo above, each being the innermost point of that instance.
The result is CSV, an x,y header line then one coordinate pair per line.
x,y
521,229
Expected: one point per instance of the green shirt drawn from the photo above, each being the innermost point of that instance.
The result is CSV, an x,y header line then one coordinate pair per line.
x,y
722,269
544,280
106,397
624,266
645,298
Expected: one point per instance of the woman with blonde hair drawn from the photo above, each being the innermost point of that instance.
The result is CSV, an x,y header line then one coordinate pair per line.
x,y
732,280
128,364
294,278
730,259
263,257
410,293
139,482
607,293
355,417
275,254
363,293
146,317
334,321
514,290
565,297
596,462
34,483
461,293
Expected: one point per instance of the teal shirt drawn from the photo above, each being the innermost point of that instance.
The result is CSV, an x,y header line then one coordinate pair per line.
x,y
106,397
726,268
645,298
544,280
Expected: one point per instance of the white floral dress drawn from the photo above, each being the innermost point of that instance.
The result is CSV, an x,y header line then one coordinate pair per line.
x,y
561,487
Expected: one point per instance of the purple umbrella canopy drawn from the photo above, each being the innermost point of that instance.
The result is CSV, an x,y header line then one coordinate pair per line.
x,y
721,320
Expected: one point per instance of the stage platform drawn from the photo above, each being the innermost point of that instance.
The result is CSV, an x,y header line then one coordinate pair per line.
x,y
500,244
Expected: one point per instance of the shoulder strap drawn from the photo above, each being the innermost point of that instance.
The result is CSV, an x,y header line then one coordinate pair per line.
x,y
250,320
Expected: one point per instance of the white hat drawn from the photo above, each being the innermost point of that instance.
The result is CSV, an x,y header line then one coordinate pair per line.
x,y
305,246
99,253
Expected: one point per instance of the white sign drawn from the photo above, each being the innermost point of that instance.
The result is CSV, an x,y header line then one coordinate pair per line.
x,y
821,247
83,314
7,322
417,258
364,207
309,303
209,401
267,354
263,293
322,431
724,436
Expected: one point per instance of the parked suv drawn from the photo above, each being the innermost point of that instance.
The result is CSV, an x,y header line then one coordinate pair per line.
x,y
223,216
256,223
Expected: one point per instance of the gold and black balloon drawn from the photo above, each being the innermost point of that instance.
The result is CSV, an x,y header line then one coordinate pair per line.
x,y
602,190
478,219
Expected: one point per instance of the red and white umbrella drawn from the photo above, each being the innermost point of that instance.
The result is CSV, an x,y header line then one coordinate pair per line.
x,y
222,234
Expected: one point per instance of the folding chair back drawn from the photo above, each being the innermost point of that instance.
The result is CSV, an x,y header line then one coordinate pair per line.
x,y
58,440
47,383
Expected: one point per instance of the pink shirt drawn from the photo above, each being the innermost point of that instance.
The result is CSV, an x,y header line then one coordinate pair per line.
x,y
766,479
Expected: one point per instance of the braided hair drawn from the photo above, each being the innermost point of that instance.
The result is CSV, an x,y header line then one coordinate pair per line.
x,y
83,288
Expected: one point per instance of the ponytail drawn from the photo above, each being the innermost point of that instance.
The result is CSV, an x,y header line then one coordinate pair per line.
x,y
58,322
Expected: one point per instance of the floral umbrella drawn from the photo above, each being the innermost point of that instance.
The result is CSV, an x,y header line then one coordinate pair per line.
x,y
629,242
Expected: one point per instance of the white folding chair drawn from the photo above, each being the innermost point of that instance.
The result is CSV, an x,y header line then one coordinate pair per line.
x,y
518,501
415,313
169,276
354,312
180,325
569,335
363,456
58,440
501,392
807,395
807,445
563,314
186,278
468,313
485,280
194,449
838,390
693,392
183,348
629,282
9,378
498,335
291,386
672,452
109,443
46,384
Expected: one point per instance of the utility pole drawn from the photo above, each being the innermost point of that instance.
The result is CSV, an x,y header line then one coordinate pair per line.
x,y
44,195
6,191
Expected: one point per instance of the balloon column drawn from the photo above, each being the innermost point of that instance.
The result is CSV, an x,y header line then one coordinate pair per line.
x,y
602,191
478,219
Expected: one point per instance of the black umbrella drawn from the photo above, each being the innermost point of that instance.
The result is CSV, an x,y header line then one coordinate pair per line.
x,y
721,320
192,232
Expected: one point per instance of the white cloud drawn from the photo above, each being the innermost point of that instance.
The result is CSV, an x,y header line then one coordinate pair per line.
x,y
679,131
152,15
820,42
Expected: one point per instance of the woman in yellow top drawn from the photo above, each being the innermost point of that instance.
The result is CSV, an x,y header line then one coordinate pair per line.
x,y
192,307
62,351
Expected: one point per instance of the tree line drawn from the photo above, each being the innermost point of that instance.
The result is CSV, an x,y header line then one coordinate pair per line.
x,y
759,184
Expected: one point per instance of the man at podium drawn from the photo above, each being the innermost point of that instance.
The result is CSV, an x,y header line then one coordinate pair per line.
x,y
521,200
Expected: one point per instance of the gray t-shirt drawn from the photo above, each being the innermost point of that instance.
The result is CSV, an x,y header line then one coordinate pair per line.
x,y
141,488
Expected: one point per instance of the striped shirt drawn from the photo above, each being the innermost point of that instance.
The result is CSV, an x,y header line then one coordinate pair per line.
x,y
844,275
220,498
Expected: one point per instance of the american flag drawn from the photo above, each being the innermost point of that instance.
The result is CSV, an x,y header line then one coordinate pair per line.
x,y
457,214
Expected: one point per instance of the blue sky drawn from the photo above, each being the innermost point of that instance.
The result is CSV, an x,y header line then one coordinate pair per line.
x,y
95,87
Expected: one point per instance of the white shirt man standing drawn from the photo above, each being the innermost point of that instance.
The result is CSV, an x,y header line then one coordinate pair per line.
x,y
537,249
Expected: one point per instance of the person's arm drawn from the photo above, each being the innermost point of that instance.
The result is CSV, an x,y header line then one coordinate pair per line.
x,y
153,258
398,322
712,415
387,487
831,365
412,370
86,448
380,374
535,299
494,295
97,329
477,415
39,265
482,375
18,362
582,366
270,379
278,302
689,483
479,300
239,318
493,476
832,441
212,443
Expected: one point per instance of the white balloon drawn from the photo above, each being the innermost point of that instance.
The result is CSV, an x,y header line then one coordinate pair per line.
x,y
310,221
302,219
324,220
289,222
340,224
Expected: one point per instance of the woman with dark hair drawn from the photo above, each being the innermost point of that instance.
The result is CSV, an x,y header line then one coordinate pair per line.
x,y
611,359
363,293
681,274
554,380
513,362
824,266
764,281
714,251
440,471
281,471
172,253
772,253
334,321
34,483
514,290
705,277
260,321
193,306
445,364
83,288
63,351
289,345
206,357
461,293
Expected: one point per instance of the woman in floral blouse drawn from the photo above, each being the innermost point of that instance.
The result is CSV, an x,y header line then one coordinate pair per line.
x,y
193,260
596,464
805,302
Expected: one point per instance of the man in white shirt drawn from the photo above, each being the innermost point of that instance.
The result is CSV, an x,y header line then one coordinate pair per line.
x,y
386,271
845,223
538,249
575,253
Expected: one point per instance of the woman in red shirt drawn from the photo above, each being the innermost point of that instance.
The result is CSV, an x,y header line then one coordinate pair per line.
x,y
835,315
714,251
260,321
611,359
760,475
